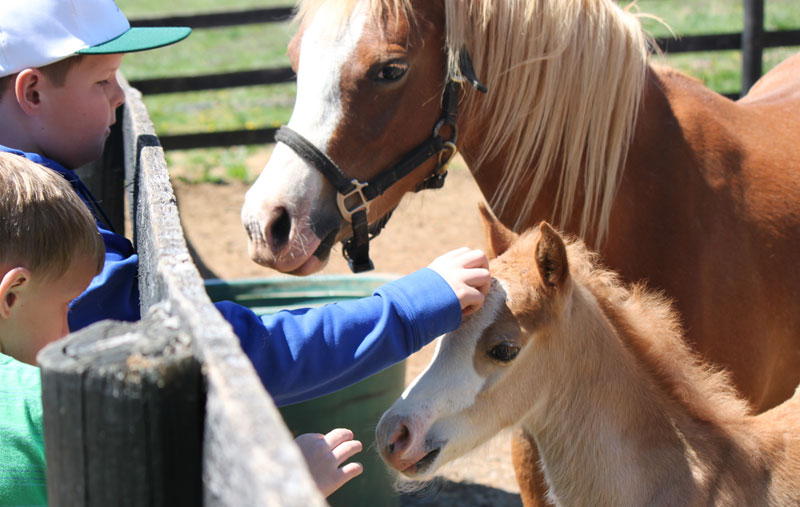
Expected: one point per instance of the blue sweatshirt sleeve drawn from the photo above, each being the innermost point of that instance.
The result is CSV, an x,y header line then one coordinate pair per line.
x,y
114,293
302,354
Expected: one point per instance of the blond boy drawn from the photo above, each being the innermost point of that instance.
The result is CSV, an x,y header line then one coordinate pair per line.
x,y
49,252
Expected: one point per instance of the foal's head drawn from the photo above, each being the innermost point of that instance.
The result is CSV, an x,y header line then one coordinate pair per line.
x,y
557,337
479,381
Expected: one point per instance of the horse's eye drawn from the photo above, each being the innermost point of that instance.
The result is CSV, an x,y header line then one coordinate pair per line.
x,y
504,352
392,72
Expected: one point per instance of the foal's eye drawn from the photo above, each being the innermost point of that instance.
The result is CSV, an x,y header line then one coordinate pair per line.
x,y
504,352
392,72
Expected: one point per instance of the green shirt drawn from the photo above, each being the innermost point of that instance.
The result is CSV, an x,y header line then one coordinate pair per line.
x,y
22,466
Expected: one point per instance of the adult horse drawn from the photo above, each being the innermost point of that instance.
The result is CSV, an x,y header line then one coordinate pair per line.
x,y
671,182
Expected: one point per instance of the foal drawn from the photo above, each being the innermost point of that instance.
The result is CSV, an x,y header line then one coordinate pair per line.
x,y
622,412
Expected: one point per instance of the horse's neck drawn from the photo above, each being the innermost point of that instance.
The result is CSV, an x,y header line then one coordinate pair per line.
x,y
605,432
658,131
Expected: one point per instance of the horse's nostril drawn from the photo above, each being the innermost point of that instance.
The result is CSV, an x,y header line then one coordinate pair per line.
x,y
280,228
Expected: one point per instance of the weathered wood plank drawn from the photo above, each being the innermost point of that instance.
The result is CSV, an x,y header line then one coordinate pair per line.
x,y
124,415
249,457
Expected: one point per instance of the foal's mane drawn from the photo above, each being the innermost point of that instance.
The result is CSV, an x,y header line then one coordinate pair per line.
x,y
649,328
565,81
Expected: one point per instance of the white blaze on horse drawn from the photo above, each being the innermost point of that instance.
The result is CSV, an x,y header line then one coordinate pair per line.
x,y
598,373
669,181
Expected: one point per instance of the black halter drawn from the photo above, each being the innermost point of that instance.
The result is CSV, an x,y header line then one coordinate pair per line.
x,y
355,196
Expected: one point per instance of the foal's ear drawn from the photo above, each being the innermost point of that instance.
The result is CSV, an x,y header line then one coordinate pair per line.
x,y
498,236
551,257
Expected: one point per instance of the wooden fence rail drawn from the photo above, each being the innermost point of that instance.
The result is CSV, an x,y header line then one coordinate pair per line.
x,y
752,41
167,411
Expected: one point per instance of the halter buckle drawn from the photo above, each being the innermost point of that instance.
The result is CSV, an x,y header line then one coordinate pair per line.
x,y
449,151
345,200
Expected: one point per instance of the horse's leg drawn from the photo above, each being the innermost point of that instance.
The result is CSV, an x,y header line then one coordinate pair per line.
x,y
525,457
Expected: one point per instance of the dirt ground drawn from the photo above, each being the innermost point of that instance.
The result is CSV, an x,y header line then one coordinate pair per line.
x,y
424,226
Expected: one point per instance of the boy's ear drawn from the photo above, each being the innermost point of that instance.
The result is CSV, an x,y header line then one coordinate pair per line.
x,y
12,283
27,89
498,237
551,257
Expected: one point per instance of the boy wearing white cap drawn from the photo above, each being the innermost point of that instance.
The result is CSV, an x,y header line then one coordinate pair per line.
x,y
64,79
58,97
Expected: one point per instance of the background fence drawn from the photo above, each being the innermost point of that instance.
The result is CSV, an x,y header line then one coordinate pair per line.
x,y
751,41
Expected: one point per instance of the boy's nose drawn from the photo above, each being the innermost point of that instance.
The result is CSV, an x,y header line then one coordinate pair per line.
x,y
117,96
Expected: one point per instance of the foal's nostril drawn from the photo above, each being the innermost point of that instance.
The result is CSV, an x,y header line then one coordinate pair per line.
x,y
399,439
280,228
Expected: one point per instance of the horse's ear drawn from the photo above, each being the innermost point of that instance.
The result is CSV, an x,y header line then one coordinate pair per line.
x,y
498,236
551,257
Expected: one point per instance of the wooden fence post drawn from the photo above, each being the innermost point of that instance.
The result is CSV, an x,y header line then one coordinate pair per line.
x,y
123,416
752,43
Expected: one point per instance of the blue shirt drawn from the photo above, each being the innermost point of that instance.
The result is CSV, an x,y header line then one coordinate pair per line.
x,y
298,354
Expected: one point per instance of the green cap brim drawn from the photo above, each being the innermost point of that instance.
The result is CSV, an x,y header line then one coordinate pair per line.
x,y
140,39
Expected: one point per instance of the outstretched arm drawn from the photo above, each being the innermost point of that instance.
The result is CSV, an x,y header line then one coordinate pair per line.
x,y
302,354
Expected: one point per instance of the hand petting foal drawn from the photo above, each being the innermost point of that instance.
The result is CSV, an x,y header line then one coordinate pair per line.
x,y
467,272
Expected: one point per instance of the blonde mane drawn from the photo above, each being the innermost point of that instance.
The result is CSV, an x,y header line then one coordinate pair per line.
x,y
649,329
565,81
344,8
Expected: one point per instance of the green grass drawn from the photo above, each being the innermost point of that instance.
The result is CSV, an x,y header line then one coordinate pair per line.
x,y
226,109
135,9
215,50
264,45
714,16
213,165
719,70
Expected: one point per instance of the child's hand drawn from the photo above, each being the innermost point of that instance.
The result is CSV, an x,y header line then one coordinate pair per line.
x,y
325,453
467,272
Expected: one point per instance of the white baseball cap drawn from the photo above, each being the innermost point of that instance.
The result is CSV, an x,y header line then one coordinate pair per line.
x,y
35,33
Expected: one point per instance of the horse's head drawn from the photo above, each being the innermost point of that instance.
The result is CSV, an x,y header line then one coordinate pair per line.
x,y
480,379
369,90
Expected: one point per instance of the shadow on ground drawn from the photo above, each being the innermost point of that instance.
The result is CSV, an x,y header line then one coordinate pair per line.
x,y
444,493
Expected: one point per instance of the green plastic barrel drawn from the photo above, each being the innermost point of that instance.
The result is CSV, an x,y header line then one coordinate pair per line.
x,y
357,407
